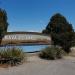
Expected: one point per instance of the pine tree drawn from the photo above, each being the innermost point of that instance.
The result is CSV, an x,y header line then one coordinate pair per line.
x,y
3,22
61,31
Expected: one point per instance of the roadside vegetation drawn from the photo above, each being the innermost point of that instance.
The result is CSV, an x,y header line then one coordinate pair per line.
x,y
62,34
51,53
3,23
12,56
61,31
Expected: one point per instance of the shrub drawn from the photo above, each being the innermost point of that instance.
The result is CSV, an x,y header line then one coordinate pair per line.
x,y
14,55
51,53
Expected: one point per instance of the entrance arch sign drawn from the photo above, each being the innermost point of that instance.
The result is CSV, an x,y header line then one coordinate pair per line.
x,y
25,38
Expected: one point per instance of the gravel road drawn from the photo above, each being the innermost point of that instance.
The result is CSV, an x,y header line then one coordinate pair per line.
x,y
37,66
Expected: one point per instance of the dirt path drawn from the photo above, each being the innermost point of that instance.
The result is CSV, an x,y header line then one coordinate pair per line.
x,y
37,66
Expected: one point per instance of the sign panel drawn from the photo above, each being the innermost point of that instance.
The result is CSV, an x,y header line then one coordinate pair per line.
x,y
18,39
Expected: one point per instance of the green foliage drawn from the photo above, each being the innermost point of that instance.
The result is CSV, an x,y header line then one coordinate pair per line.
x,y
51,53
73,42
58,24
13,54
3,22
61,31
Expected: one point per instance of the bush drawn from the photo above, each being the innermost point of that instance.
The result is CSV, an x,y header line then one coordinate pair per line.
x,y
51,53
13,55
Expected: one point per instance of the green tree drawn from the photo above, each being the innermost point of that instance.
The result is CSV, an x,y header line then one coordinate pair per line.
x,y
3,22
61,31
73,42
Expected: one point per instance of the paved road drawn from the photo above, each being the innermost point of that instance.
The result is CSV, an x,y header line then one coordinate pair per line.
x,y
37,66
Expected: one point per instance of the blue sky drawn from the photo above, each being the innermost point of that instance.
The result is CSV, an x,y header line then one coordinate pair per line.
x,y
34,15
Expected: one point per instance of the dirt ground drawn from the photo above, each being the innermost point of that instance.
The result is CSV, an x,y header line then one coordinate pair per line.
x,y
37,66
